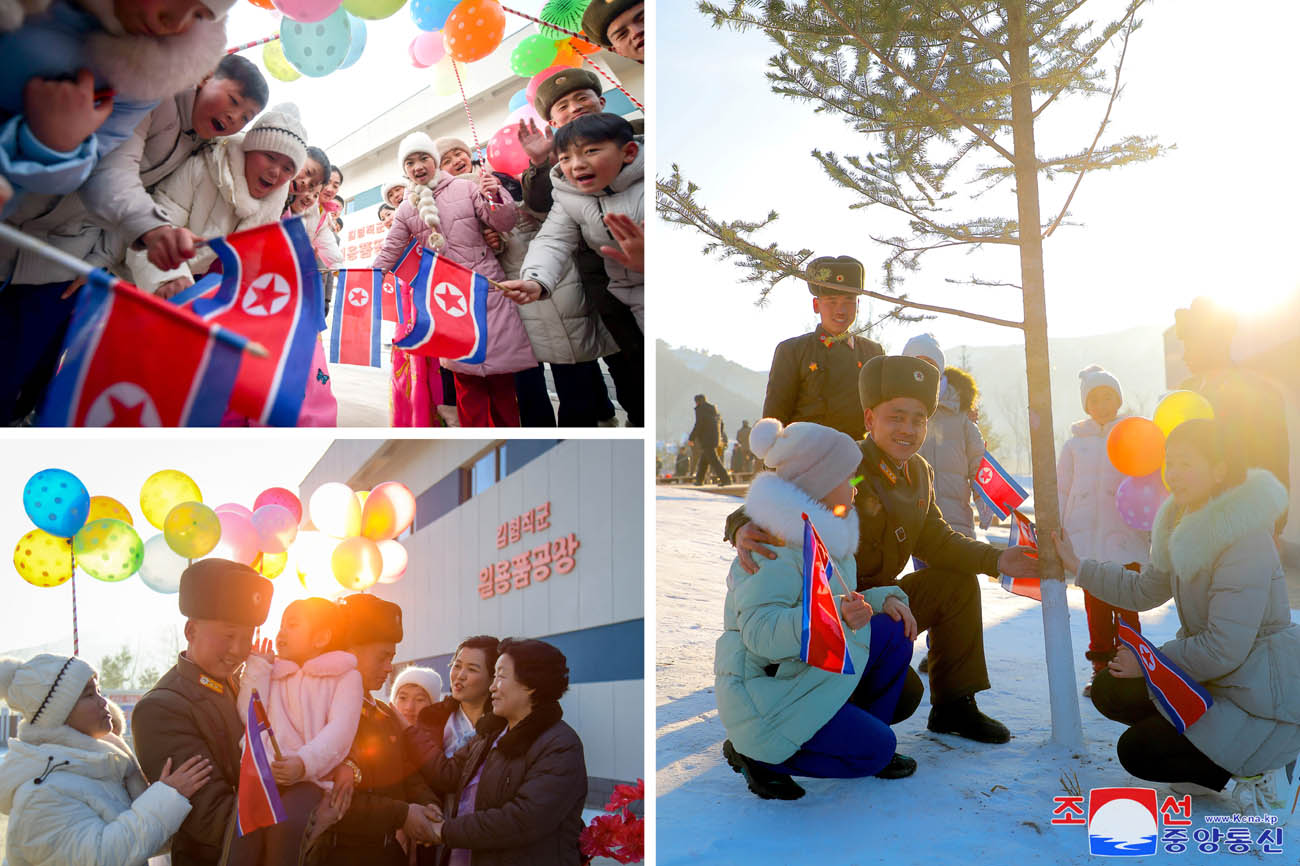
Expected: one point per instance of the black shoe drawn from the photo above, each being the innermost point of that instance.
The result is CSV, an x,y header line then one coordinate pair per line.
x,y
963,718
899,767
764,782
924,666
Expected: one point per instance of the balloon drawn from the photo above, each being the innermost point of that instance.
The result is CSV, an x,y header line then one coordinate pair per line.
x,y
362,496
519,100
536,81
532,55
262,4
107,506
311,554
334,510
1138,500
565,55
43,559
389,510
431,14
162,566
356,563
1180,406
279,496
582,46
562,13
239,541
271,565
474,29
277,64
616,102
163,491
505,153
1136,446
357,28
444,77
373,9
192,529
56,501
234,508
306,11
427,49
525,112
394,559
108,549
276,528
317,49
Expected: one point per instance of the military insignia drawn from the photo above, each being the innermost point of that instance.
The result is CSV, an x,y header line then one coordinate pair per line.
x,y
888,473
859,365
839,278
900,535
813,366
872,505
209,683
918,375
827,341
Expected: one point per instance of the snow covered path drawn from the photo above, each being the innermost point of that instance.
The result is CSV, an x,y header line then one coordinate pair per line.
x,y
967,802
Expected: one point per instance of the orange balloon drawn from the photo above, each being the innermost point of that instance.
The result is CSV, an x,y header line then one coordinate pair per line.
x,y
582,46
263,4
1136,446
566,55
474,29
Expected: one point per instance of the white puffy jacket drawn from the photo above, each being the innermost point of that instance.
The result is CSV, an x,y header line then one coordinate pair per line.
x,y
1086,483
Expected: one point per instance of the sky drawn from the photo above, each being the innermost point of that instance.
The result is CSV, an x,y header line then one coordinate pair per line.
x,y
110,615
1215,216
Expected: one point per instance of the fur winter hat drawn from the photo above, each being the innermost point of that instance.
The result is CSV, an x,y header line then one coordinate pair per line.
x,y
885,377
449,143
226,591
925,346
426,678
394,184
814,458
416,142
371,619
420,195
1095,376
600,14
279,130
45,688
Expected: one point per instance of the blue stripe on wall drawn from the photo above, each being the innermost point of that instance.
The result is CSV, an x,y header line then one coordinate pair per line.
x,y
600,654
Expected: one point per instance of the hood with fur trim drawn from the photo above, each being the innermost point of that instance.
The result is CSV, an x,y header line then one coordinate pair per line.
x,y
107,759
1188,545
150,68
778,506
331,664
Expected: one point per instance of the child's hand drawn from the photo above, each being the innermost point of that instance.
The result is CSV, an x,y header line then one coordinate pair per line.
x,y
287,771
489,184
1065,550
1125,665
538,144
492,238
630,237
855,610
173,287
264,649
899,611
188,777
521,291
63,114
169,247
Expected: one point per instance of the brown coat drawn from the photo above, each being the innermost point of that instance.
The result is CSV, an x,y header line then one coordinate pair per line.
x,y
814,378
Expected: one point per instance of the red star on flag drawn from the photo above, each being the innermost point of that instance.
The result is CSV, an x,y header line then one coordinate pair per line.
x,y
266,295
124,415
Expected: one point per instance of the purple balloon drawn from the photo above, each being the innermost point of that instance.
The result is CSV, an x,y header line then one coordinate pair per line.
x,y
1139,498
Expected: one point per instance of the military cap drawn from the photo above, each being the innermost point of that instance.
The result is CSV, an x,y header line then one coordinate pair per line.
x,y
885,377
563,83
227,591
370,619
600,14
839,270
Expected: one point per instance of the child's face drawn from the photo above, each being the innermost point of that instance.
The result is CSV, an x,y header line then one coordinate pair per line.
x,y
592,166
304,202
265,171
395,195
409,700
898,427
627,33
159,17
838,312
1192,479
1102,404
456,161
576,104
220,108
310,178
420,166
840,500
295,640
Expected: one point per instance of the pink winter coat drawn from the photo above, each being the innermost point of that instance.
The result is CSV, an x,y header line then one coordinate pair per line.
x,y
464,212
313,709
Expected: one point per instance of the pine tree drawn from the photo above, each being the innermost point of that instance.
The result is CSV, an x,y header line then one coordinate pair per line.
x,y
933,87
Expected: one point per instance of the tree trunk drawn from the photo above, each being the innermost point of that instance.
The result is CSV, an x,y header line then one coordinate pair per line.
x,y
1067,726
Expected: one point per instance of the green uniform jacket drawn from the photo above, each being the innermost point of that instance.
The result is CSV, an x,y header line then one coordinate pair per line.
x,y
815,378
390,781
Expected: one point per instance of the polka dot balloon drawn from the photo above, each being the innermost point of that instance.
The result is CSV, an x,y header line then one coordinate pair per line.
x,y
56,501
42,559
108,550
163,491
317,49
474,29
532,55
562,13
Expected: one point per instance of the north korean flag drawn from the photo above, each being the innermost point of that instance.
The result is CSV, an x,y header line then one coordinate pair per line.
x,y
998,488
133,360
822,641
354,326
448,307
1023,534
406,270
258,801
1183,698
269,291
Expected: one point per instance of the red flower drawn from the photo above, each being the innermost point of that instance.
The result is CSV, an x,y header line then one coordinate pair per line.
x,y
621,835
600,836
625,795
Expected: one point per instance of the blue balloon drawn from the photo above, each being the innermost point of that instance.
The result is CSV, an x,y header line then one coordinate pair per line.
x,y
57,502
317,48
616,102
520,99
358,44
430,15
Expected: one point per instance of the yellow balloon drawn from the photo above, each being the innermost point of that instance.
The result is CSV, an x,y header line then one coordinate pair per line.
x,y
163,491
192,529
1180,406
43,559
444,76
107,506
362,496
271,565
277,64
357,563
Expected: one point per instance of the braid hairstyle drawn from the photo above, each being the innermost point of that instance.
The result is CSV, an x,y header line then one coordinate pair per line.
x,y
420,196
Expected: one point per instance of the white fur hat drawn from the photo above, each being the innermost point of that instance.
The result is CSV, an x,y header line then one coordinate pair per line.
x,y
925,346
279,130
219,7
44,688
814,458
393,184
1095,376
416,142
450,142
426,678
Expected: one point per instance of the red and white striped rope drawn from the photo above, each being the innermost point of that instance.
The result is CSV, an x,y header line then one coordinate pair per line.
x,y
253,44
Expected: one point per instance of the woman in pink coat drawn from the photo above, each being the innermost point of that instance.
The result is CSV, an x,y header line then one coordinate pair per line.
x,y
448,215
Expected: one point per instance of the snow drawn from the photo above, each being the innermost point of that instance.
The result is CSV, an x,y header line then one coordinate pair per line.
x,y
967,799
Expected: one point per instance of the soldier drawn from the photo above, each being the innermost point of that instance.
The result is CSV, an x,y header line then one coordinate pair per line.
x,y
618,26
191,711
388,792
897,515
814,377
704,437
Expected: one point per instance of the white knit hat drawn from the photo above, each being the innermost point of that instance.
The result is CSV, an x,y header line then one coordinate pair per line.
x,y
814,458
383,190
421,194
451,143
45,688
925,346
426,678
1095,376
416,142
279,130
219,7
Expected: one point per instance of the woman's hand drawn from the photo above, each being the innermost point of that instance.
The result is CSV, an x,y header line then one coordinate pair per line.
x,y
1125,665
189,777
344,781
855,610
1065,550
287,771
899,611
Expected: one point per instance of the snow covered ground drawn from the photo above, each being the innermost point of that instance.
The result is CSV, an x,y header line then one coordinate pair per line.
x,y
967,802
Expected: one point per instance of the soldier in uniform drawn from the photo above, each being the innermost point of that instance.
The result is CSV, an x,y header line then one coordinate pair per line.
x,y
191,711
618,26
814,377
898,516
388,794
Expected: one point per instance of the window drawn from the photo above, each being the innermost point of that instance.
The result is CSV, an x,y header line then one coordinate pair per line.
x,y
469,481
362,200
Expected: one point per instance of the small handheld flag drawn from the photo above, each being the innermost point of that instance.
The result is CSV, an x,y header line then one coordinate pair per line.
x,y
406,270
258,804
1023,535
1184,699
999,489
355,321
823,643
449,312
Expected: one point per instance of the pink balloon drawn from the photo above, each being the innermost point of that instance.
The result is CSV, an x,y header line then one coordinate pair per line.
x,y
1139,498
276,528
395,561
389,510
526,112
282,497
307,10
428,48
239,541
536,81
505,153
234,508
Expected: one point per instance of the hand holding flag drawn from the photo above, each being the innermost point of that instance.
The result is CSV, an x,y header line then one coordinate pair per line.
x,y
1018,564
1183,698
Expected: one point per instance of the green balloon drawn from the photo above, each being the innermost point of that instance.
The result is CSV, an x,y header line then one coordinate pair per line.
x,y
373,9
532,55
108,549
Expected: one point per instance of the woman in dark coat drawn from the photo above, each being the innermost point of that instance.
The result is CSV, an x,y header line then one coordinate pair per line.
x,y
520,784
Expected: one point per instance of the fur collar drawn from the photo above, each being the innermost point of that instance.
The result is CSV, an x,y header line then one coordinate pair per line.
x,y
330,664
150,68
777,505
225,162
1189,543
520,739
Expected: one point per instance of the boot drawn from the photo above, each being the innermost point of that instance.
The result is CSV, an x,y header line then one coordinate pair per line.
x,y
924,666
899,767
766,783
963,718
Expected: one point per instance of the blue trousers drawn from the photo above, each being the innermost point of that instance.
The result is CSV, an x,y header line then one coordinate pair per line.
x,y
858,741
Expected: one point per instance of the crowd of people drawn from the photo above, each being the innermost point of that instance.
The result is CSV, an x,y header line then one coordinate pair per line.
x,y
129,137
486,772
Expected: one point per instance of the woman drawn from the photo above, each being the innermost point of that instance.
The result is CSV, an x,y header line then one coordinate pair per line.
x,y
519,785
447,725
72,788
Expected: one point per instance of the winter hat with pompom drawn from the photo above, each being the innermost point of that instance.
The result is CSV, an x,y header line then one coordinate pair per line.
x,y
420,195
426,678
814,458
45,688
1096,376
925,346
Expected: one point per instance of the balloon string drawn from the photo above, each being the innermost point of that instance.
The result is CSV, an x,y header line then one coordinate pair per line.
x,y
605,75
473,131
76,640
545,23
253,44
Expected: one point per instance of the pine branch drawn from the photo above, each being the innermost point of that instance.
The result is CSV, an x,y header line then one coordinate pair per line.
x,y
976,281
1127,22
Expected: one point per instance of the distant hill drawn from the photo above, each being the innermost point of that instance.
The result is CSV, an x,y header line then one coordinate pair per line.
x,y
1135,356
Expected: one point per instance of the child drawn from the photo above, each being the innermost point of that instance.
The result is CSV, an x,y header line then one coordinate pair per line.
x,y
784,716
1212,549
386,212
312,693
1086,484
600,175
415,688
448,215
